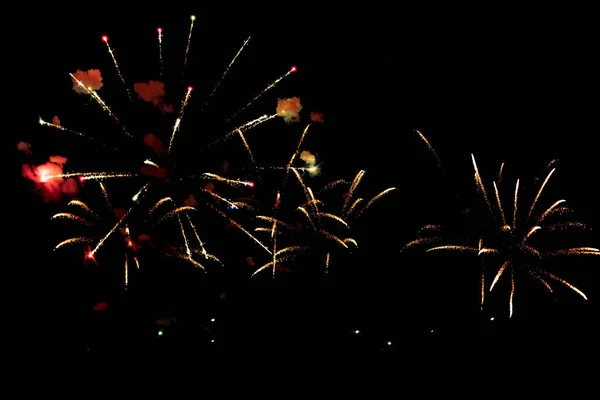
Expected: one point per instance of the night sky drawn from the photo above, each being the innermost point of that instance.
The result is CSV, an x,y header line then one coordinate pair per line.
x,y
518,88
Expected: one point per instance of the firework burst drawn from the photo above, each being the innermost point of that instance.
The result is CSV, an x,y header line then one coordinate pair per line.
x,y
165,185
512,242
310,226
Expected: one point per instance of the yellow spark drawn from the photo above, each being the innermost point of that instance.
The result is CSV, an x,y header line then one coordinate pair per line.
x,y
189,41
227,69
500,271
174,212
549,210
117,225
567,284
160,51
71,217
83,206
270,86
479,183
539,193
112,55
289,165
531,232
185,239
430,147
75,240
248,125
499,203
101,102
515,203
374,199
353,186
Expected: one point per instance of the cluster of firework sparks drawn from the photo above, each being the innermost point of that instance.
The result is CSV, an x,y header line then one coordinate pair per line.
x,y
295,228
507,244
157,206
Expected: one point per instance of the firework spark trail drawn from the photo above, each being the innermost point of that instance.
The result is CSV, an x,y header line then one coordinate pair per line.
x,y
75,240
500,173
62,128
226,71
301,181
101,102
160,52
185,239
499,203
479,183
246,126
539,193
240,227
373,200
189,42
515,204
71,217
118,224
353,186
174,212
269,87
274,236
177,124
430,147
200,243
289,165
112,55
105,195
232,182
126,270
84,176
80,204
247,146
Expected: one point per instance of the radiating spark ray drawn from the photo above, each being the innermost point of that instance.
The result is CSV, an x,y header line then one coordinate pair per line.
x,y
200,243
430,147
537,196
266,89
298,146
114,59
570,286
101,102
75,240
374,199
512,292
500,271
173,213
71,217
189,42
353,186
126,270
549,210
479,183
185,239
83,135
177,123
246,126
85,207
247,146
227,70
515,205
160,52
118,224
499,203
